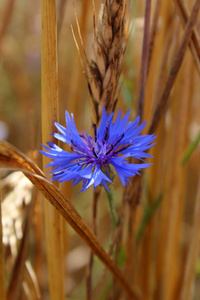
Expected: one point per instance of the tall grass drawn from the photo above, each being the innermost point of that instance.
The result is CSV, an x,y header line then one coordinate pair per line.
x,y
137,55
49,85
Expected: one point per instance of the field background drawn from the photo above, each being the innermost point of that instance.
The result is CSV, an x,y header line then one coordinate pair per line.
x,y
158,250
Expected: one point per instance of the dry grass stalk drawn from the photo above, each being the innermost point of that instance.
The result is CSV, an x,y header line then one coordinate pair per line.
x,y
161,54
154,29
158,113
31,280
53,228
174,193
12,158
132,193
2,262
6,16
194,43
144,58
164,44
163,232
161,41
135,195
74,93
109,45
169,40
193,251
169,259
148,243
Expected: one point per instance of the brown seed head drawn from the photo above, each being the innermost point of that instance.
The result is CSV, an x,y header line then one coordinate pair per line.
x,y
109,45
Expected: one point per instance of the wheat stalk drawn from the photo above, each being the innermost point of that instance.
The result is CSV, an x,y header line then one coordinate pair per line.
x,y
104,70
103,73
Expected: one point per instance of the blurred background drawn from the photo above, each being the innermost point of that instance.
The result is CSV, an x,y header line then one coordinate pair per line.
x,y
163,254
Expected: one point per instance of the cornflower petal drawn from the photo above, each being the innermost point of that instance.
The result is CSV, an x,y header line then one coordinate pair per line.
x,y
62,129
90,158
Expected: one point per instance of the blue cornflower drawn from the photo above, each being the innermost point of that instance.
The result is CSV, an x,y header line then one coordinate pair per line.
x,y
91,159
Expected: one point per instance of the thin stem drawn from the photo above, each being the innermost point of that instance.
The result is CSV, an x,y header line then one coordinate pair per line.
x,y
153,31
183,10
113,214
190,149
145,57
94,228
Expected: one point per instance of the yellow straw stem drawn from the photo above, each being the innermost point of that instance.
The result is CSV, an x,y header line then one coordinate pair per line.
x,y
193,252
2,263
53,229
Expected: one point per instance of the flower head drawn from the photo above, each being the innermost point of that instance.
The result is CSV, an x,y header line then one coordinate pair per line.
x,y
91,159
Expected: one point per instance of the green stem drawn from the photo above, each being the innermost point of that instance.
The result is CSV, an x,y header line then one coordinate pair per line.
x,y
112,209
190,149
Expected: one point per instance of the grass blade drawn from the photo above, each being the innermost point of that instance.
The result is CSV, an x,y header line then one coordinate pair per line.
x,y
190,150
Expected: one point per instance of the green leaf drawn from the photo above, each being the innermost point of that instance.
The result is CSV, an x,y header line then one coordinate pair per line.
x,y
190,149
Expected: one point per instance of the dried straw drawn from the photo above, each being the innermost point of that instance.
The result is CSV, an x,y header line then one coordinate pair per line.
x,y
144,59
2,263
193,251
194,43
53,227
175,68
